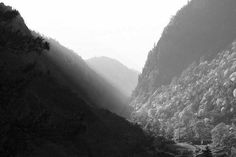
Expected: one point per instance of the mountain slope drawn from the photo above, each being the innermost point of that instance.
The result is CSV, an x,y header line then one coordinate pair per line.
x,y
202,28
186,91
43,114
116,73
197,106
80,77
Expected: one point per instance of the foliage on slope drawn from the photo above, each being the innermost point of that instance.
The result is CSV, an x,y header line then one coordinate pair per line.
x,y
198,105
201,28
18,67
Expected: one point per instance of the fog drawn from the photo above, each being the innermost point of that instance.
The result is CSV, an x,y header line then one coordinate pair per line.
x,y
117,29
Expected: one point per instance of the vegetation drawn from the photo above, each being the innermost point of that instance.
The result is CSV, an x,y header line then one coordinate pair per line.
x,y
201,28
198,105
187,89
207,152
44,113
16,74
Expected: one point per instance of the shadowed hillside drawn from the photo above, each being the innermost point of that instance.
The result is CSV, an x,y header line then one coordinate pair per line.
x,y
45,112
81,78
116,73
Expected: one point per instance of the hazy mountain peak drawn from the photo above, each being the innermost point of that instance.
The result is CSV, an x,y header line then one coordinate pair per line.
x,y
115,72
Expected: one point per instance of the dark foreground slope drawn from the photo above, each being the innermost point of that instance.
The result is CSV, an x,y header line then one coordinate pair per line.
x,y
41,115
116,73
74,72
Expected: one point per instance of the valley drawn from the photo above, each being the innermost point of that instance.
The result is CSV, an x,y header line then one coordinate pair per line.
x,y
183,104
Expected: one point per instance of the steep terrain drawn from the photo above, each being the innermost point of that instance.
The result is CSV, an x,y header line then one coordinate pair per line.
x,y
80,77
187,90
44,112
197,105
116,73
202,28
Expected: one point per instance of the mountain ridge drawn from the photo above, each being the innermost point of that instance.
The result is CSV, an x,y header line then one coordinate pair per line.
x,y
186,91
200,29
43,114
120,76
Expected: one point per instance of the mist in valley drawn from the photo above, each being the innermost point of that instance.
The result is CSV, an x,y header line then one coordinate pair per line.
x,y
55,101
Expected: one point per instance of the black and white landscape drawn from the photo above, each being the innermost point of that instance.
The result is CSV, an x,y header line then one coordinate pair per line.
x,y
54,103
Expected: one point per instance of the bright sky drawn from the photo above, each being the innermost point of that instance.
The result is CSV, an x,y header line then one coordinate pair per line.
x,y
121,29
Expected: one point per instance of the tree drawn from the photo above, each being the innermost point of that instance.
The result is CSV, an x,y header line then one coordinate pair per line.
x,y
219,133
202,131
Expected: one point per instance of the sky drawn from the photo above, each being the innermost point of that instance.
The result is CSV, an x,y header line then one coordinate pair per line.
x,y
125,30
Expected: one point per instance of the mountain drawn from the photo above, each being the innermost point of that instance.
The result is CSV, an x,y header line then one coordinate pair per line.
x,y
196,105
53,104
80,77
186,91
116,73
202,28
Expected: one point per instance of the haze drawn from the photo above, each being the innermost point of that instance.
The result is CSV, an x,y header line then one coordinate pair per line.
x,y
124,29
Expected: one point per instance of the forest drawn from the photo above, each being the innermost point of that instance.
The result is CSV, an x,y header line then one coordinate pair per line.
x,y
186,91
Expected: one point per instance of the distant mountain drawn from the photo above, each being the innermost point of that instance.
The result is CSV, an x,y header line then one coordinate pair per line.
x,y
116,73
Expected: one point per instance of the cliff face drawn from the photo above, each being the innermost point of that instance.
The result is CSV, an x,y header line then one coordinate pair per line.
x,y
202,28
199,105
186,91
